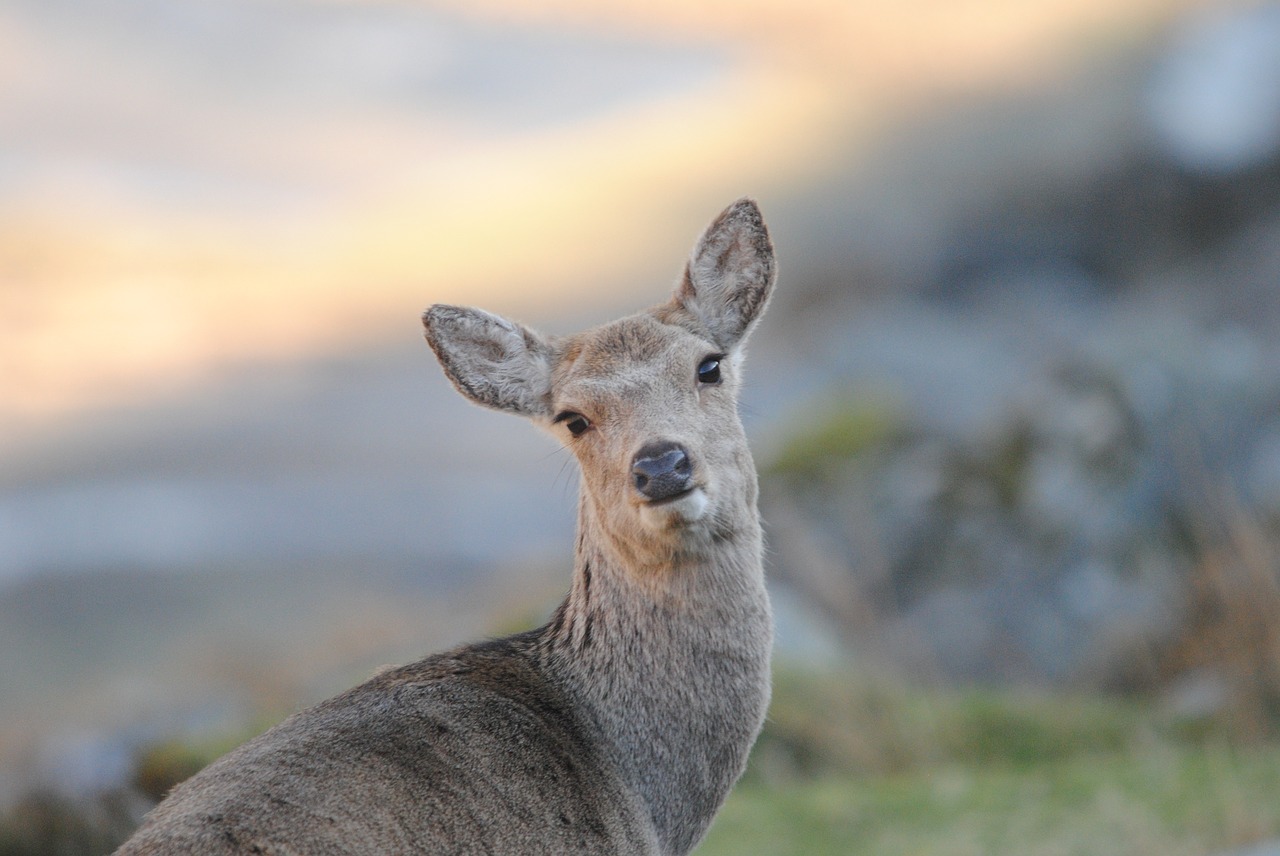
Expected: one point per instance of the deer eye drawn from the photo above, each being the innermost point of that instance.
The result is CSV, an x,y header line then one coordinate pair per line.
x,y
709,370
575,422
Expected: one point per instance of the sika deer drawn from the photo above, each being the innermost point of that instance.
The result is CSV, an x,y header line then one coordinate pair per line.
x,y
620,725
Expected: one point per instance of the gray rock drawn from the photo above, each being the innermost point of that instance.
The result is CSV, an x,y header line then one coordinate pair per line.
x,y
1212,98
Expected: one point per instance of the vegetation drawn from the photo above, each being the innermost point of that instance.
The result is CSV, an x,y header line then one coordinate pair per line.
x,y
1163,800
50,824
836,432
874,769
869,766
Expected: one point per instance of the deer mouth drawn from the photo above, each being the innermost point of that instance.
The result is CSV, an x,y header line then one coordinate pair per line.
x,y
681,509
674,498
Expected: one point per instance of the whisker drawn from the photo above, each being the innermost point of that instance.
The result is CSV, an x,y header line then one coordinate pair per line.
x,y
564,468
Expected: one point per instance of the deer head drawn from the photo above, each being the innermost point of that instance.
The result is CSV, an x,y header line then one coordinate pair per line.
x,y
647,404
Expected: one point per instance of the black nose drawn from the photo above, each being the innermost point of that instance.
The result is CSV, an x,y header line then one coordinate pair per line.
x,y
661,470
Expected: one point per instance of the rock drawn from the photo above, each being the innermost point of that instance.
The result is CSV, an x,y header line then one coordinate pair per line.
x,y
1211,99
1047,534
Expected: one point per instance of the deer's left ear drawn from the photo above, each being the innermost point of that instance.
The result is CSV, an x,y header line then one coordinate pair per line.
x,y
492,361
730,275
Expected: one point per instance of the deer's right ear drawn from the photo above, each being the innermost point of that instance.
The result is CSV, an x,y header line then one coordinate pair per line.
x,y
492,361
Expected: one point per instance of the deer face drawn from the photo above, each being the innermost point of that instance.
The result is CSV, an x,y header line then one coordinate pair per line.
x,y
647,404
650,411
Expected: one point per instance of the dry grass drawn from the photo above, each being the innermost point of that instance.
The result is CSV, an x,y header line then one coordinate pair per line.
x,y
1231,634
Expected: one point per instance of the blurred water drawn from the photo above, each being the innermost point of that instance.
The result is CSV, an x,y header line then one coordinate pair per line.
x,y
376,456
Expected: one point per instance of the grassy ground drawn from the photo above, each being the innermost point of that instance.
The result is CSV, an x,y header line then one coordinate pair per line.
x,y
984,774
1162,802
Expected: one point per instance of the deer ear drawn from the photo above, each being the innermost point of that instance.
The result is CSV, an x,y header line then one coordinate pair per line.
x,y
492,361
730,274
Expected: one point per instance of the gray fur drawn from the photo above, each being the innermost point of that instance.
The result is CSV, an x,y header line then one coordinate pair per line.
x,y
620,725
491,360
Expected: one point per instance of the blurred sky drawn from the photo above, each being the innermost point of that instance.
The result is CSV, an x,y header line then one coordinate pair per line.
x,y
189,184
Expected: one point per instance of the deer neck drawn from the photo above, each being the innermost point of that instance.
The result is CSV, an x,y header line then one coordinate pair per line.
x,y
667,648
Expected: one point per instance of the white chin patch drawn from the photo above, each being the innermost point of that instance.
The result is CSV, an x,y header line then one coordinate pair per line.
x,y
689,508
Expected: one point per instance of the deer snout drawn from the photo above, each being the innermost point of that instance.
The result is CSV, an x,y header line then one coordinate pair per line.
x,y
661,470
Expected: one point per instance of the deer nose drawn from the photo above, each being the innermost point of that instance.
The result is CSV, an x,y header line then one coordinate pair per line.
x,y
661,470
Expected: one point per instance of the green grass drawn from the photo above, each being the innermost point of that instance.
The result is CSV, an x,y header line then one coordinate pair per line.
x,y
839,429
1162,801
849,766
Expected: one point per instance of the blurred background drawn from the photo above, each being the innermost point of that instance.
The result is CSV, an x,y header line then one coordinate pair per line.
x,y
1016,405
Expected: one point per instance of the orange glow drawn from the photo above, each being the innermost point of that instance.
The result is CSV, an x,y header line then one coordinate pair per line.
x,y
104,297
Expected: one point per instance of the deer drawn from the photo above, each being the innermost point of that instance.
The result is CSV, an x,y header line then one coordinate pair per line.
x,y
620,725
